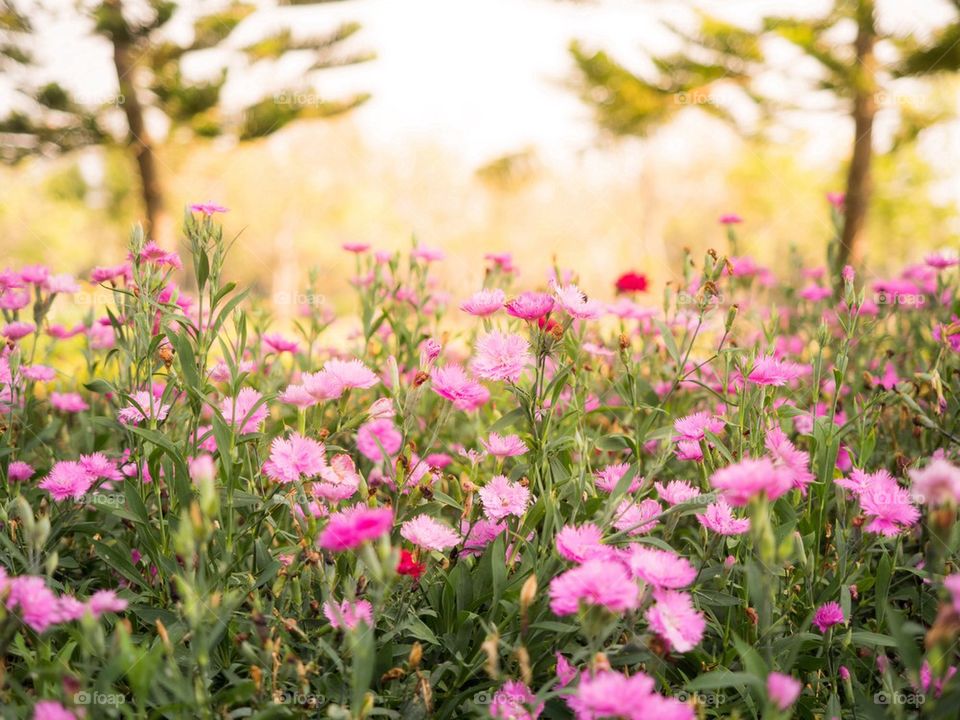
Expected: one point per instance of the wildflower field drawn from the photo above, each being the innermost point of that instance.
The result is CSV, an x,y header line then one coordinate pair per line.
x,y
526,500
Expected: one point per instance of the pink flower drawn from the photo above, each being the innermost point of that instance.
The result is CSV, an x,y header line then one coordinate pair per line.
x,y
208,208
38,373
607,478
296,458
936,484
786,456
837,199
514,701
453,383
719,518
500,446
202,468
99,465
279,344
609,694
942,260
730,219
323,385
35,603
815,293
243,412
156,255
298,396
143,406
352,527
783,690
104,601
888,507
600,583
695,427
767,370
348,614
428,533
351,373
68,402
17,330
582,543
741,482
566,673
427,254
485,302
51,710
828,615
376,434
356,247
637,518
501,497
67,479
480,534
501,356
660,568
530,306
18,471
676,492
675,620
576,304
340,479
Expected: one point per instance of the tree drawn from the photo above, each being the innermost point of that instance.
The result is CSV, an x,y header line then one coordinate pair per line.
x,y
150,77
722,54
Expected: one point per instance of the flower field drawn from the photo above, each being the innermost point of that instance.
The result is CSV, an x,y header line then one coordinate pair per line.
x,y
526,500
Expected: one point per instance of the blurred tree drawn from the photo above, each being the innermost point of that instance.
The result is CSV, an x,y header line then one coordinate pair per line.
x,y
149,67
720,53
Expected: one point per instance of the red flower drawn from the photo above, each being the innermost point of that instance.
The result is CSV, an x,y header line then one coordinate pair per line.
x,y
409,566
631,282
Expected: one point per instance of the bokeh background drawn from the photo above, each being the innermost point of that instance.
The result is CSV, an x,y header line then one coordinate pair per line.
x,y
602,135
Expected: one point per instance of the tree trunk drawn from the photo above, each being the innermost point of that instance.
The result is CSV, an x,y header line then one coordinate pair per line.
x,y
138,140
864,109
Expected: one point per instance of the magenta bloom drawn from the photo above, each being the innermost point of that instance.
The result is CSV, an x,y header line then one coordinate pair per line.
x,y
134,415
351,373
376,434
484,302
582,543
104,601
730,219
676,491
719,518
348,615
828,615
99,465
67,479
785,455
530,306
741,482
575,302
500,446
453,383
888,507
609,694
356,247
607,478
17,330
480,534
354,526
514,701
68,402
33,601
428,533
501,356
18,471
837,199
501,497
695,427
767,370
51,710
340,479
660,568
208,208
783,690
279,344
296,458
323,385
637,518
937,483
601,583
675,620
240,412
38,373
